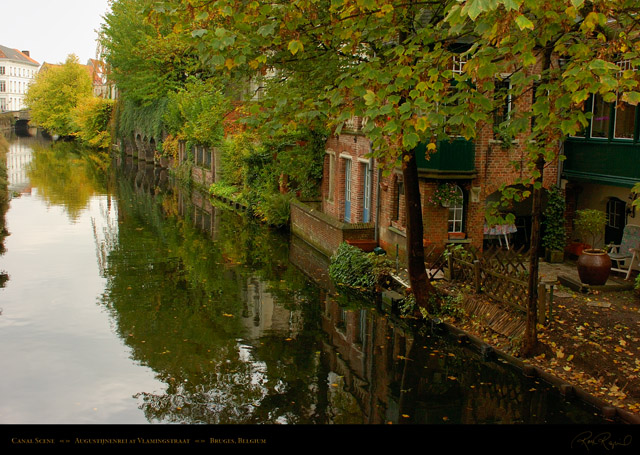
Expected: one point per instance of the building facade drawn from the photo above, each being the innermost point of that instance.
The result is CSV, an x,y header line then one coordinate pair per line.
x,y
365,207
603,164
17,70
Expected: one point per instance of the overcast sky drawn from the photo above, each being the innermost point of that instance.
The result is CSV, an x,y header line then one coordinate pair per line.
x,y
52,29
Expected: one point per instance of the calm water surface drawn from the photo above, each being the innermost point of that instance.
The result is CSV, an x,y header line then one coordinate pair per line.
x,y
129,301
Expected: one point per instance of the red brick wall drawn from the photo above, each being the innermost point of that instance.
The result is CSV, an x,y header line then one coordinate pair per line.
x,y
323,231
356,147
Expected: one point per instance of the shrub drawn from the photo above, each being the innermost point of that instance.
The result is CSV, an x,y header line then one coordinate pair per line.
x,y
554,236
354,269
274,208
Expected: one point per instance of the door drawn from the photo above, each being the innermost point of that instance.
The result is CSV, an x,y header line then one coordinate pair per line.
x,y
366,210
616,221
347,190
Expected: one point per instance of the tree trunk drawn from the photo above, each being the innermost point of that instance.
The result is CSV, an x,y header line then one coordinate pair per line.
x,y
531,329
420,285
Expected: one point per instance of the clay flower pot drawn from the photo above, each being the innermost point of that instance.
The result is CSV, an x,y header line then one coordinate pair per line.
x,y
594,267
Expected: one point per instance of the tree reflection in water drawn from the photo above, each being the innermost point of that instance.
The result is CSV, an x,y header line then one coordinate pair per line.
x,y
218,307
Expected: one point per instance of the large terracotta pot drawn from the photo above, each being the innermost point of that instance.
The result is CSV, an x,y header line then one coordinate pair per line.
x,y
594,267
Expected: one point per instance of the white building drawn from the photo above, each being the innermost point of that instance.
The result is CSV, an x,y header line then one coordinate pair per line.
x,y
17,70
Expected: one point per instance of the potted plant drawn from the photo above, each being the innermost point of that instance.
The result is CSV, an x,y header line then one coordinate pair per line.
x,y
594,264
554,239
446,195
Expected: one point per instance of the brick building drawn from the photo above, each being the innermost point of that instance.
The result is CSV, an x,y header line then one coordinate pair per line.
x,y
356,197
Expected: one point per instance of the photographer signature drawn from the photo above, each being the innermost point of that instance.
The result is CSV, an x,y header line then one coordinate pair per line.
x,y
587,440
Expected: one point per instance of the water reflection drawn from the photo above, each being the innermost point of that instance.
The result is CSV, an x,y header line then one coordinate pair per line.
x,y
4,201
136,301
219,307
65,175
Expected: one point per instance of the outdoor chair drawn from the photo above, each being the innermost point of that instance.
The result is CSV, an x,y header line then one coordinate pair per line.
x,y
629,249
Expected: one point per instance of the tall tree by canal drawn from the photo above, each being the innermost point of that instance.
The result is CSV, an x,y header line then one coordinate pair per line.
x,y
394,64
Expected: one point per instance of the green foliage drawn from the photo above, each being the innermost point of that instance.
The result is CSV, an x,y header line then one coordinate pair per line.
x,y
554,231
448,306
145,119
223,190
590,223
274,208
268,174
441,305
4,197
636,192
55,93
147,60
195,112
300,157
92,119
353,269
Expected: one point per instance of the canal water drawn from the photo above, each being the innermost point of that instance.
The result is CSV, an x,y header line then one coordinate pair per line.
x,y
128,300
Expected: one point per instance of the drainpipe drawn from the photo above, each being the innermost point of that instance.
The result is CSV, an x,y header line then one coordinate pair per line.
x,y
377,217
560,166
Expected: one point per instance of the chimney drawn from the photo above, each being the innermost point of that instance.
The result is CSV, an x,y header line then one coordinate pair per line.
x,y
26,53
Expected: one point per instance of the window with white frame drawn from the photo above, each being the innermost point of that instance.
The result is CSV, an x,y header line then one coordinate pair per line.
x,y
458,64
504,103
456,213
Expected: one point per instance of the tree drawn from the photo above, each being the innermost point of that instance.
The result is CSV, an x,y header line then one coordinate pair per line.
x,y
391,62
55,93
563,54
332,60
92,120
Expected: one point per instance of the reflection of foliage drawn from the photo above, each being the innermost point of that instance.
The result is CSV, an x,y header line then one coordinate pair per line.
x,y
4,200
180,301
68,177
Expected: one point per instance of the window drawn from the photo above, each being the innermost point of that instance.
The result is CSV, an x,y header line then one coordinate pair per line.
x,y
332,179
458,64
504,102
398,203
207,158
601,118
1,69
624,121
3,86
456,214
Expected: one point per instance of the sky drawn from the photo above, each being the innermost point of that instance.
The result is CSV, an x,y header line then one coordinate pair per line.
x,y
52,29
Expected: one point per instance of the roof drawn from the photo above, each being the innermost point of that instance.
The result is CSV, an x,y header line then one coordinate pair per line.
x,y
16,55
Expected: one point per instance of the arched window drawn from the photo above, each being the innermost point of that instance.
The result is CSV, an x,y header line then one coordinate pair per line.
x,y
456,213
